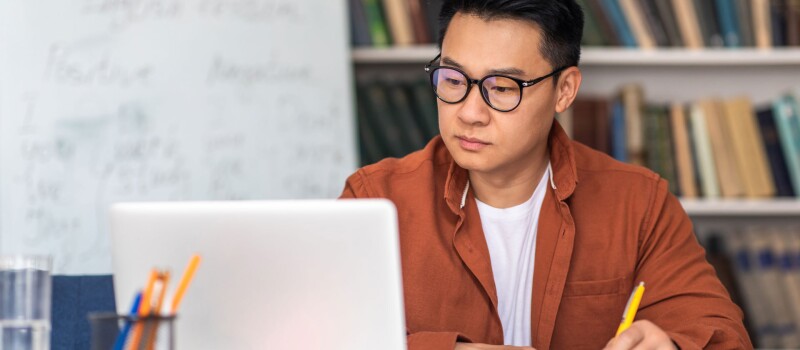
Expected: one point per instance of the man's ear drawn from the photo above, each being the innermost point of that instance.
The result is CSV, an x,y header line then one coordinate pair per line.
x,y
567,88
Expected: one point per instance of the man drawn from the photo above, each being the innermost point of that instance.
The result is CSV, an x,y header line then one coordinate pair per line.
x,y
511,233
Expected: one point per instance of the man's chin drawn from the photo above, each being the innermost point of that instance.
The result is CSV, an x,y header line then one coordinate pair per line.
x,y
472,162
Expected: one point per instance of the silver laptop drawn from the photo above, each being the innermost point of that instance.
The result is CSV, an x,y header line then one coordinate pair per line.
x,y
318,274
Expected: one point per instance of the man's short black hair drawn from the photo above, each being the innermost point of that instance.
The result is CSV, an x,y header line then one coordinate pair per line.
x,y
560,21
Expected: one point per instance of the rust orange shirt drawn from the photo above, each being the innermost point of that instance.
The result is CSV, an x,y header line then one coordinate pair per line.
x,y
603,227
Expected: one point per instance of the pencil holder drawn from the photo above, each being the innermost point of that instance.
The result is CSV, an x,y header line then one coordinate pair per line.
x,y
111,331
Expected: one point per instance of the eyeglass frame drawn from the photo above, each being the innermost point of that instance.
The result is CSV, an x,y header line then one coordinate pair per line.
x,y
430,68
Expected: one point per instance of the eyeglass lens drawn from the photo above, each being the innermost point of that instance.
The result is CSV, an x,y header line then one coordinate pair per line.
x,y
451,86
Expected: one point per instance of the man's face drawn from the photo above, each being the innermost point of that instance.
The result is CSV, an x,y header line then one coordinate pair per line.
x,y
480,138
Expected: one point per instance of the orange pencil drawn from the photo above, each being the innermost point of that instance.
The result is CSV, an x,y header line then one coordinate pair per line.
x,y
144,308
185,280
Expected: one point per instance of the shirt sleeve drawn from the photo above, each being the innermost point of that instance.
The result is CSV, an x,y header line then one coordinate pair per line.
x,y
684,297
354,187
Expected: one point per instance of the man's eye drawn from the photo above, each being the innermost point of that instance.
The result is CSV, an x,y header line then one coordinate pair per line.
x,y
503,89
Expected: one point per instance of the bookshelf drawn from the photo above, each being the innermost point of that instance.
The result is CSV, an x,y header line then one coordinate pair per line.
x,y
666,74
768,208
595,56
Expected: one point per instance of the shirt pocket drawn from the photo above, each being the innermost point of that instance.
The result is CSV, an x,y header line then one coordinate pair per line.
x,y
590,312
596,288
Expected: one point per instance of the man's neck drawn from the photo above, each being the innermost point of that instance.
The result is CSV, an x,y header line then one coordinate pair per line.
x,y
508,190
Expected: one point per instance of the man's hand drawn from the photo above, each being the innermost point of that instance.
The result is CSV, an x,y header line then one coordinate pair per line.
x,y
470,346
642,335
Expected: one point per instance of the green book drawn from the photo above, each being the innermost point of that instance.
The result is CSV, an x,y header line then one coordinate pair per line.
x,y
376,22
592,34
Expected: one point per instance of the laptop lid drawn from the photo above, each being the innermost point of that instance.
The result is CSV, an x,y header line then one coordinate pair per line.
x,y
289,274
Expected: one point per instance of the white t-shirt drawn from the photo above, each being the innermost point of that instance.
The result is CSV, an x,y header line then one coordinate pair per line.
x,y
511,237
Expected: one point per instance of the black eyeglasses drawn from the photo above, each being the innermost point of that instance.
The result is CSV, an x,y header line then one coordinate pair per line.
x,y
501,92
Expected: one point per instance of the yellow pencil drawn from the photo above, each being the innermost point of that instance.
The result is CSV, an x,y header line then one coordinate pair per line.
x,y
187,277
630,309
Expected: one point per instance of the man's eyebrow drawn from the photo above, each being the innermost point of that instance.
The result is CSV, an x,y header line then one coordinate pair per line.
x,y
504,71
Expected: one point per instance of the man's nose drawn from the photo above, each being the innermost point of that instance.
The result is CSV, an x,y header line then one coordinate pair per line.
x,y
474,110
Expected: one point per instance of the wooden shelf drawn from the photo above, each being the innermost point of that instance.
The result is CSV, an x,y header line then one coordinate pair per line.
x,y
787,207
592,56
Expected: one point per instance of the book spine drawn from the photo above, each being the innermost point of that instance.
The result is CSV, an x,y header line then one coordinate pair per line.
x,y
728,22
705,156
633,14
399,22
762,24
620,23
774,152
744,10
788,124
420,24
377,25
683,154
358,24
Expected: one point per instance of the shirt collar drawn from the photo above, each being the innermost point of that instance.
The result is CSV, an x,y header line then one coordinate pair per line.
x,y
563,173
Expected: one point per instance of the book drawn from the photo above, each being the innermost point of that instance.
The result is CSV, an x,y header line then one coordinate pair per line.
x,y
654,22
370,148
617,17
765,278
591,123
777,14
667,14
380,113
359,29
399,19
377,26
787,120
779,243
706,162
432,9
659,156
755,306
633,104
400,104
619,143
762,24
718,256
774,152
793,23
592,34
688,23
790,263
709,24
419,22
374,145
744,10
609,32
728,22
730,183
747,150
683,151
424,106
635,18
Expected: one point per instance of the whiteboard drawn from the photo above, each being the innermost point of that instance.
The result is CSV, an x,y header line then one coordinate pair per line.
x,y
128,100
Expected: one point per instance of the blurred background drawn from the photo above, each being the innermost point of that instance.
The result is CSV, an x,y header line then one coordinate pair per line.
x,y
103,101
